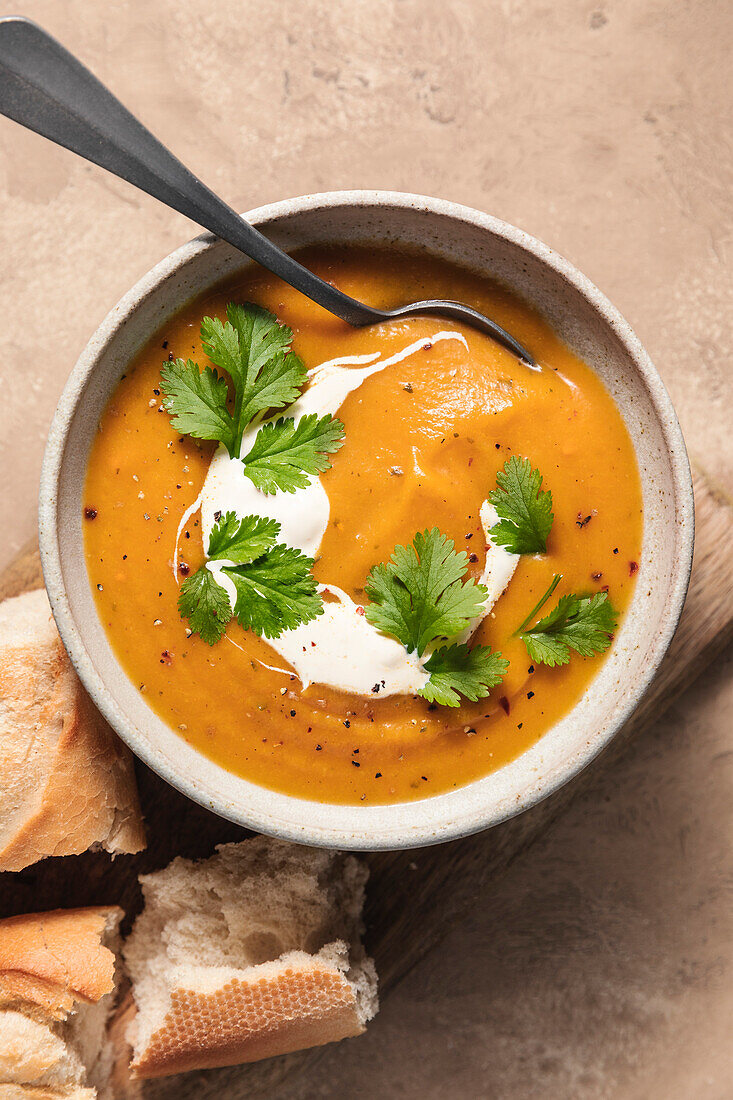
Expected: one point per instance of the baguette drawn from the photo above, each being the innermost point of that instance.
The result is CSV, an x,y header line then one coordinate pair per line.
x,y
57,986
66,782
253,953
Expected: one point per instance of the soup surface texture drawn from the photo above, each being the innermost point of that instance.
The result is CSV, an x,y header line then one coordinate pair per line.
x,y
424,439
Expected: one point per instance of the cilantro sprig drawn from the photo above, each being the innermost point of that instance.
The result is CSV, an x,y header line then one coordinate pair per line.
x,y
524,508
253,349
584,624
275,588
457,669
276,593
285,452
205,604
420,597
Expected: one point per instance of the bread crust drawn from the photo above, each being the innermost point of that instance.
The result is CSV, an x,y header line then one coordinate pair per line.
x,y
70,781
50,960
294,1003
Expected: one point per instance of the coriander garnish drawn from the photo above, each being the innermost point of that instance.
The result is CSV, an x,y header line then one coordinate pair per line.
x,y
420,597
457,669
275,588
254,350
285,452
581,623
205,604
524,509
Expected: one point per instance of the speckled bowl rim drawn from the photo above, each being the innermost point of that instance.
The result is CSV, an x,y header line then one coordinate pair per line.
x,y
353,826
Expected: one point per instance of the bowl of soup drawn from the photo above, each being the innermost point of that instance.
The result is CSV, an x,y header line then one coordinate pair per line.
x,y
458,600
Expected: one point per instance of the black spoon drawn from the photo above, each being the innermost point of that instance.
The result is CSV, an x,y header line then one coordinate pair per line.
x,y
43,87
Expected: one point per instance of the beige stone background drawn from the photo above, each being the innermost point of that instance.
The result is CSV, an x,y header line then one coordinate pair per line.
x,y
600,966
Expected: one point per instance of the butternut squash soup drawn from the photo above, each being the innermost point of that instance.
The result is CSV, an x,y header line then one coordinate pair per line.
x,y
360,565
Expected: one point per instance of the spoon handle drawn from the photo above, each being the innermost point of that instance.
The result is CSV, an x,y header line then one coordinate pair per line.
x,y
44,87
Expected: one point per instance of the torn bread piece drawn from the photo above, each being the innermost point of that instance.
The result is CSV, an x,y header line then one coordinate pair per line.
x,y
67,782
58,976
252,953
35,1060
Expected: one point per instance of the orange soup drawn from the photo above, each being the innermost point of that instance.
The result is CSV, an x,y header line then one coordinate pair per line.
x,y
424,439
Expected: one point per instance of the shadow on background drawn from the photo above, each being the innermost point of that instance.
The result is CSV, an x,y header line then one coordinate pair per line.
x,y
586,970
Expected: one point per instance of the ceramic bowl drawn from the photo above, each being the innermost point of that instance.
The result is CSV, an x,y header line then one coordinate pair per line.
x,y
583,318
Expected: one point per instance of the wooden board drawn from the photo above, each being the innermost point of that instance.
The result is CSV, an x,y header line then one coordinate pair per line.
x,y
415,897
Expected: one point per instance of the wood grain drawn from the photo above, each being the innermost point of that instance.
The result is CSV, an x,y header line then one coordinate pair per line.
x,y
414,897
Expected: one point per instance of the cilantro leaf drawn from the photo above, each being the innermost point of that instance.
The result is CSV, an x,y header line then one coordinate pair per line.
x,y
220,341
242,541
276,592
581,623
284,453
275,588
243,343
278,383
205,604
525,512
419,594
197,402
253,348
457,669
